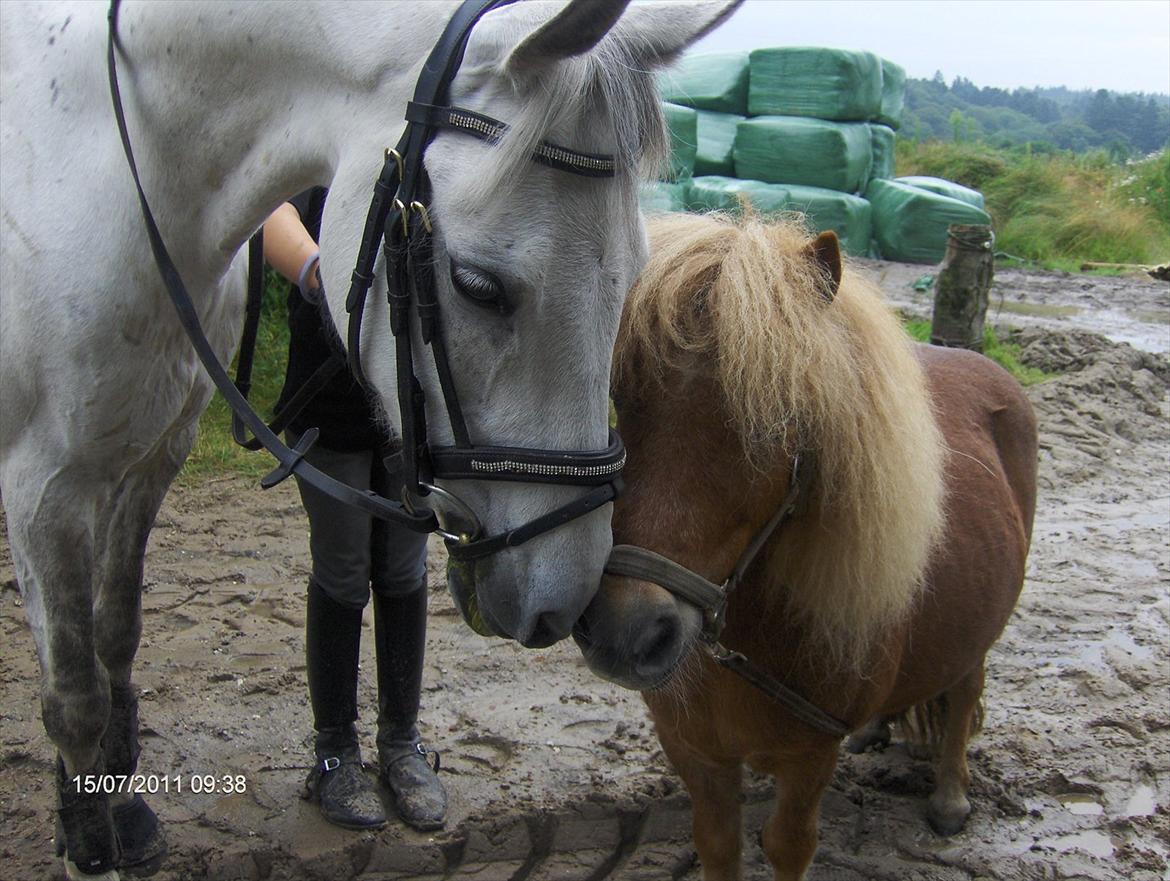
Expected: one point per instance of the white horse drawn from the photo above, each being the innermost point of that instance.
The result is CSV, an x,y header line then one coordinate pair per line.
x,y
233,108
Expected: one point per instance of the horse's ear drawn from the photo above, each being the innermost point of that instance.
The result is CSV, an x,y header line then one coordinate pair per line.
x,y
573,31
664,30
824,252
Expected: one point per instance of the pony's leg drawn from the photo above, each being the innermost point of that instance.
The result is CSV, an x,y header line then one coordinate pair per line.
x,y
949,807
790,835
118,629
874,735
714,789
52,512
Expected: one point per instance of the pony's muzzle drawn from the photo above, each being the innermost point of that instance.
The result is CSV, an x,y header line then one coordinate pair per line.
x,y
636,634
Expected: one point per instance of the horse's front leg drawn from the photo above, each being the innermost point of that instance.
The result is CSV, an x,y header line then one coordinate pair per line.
x,y
118,629
51,514
790,836
714,788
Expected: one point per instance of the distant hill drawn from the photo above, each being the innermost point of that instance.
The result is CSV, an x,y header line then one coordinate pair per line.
x,y
1125,124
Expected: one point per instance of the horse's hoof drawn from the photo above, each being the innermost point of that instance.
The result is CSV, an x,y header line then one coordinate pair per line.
x,y
72,873
948,818
140,836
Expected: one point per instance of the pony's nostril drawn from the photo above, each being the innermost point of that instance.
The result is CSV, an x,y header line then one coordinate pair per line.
x,y
658,644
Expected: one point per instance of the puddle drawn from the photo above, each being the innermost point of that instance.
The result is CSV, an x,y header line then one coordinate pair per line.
x,y
1082,805
1094,843
1142,803
1037,310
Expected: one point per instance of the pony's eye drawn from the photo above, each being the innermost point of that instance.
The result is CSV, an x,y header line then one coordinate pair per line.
x,y
481,288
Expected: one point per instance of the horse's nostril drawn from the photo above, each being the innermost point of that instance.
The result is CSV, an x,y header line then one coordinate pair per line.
x,y
544,634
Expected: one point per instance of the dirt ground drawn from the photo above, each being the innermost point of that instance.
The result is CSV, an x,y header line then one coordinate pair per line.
x,y
554,774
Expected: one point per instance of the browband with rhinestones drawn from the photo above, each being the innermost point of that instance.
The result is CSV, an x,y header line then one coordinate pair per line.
x,y
487,129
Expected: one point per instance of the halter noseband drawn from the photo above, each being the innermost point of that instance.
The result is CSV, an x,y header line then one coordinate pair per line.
x,y
400,220
711,599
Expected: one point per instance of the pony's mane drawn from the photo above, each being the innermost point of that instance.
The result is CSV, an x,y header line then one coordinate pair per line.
x,y
607,83
836,380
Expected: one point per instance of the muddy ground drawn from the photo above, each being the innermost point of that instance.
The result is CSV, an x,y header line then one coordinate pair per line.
x,y
554,774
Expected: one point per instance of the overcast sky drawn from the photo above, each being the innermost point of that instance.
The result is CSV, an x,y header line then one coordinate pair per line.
x,y
1083,44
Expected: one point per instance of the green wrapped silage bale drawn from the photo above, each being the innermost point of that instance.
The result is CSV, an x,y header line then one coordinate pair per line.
x,y
718,81
682,123
945,188
893,94
661,197
716,140
838,84
850,217
881,140
910,224
798,150
718,193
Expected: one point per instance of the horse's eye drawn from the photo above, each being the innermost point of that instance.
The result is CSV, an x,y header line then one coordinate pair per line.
x,y
481,288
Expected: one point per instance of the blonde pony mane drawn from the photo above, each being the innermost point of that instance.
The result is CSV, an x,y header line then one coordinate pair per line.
x,y
837,380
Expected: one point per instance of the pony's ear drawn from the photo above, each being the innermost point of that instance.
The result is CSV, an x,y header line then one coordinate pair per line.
x,y
573,31
665,30
824,252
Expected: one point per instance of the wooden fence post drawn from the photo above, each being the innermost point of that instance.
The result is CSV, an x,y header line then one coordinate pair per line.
x,y
961,289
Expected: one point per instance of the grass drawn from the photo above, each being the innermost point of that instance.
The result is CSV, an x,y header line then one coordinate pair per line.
x,y
215,451
1003,353
1059,209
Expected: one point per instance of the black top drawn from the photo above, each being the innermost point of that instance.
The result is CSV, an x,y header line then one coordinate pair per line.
x,y
341,410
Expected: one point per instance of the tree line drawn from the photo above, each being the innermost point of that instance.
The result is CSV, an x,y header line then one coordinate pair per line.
x,y
1124,124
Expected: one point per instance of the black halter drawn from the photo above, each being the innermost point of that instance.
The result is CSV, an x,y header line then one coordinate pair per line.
x,y
711,599
398,219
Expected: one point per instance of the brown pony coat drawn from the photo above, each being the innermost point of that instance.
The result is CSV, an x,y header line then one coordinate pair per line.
x,y
888,589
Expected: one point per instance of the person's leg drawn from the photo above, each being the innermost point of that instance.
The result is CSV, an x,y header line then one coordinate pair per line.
x,y
400,626
339,540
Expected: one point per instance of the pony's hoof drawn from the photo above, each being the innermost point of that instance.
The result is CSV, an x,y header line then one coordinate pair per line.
x,y
140,836
947,818
875,735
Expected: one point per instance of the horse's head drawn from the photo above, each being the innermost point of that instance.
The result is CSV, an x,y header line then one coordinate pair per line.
x,y
700,484
531,264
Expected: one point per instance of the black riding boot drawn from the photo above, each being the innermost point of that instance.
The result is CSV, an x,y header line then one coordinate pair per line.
x,y
347,797
400,626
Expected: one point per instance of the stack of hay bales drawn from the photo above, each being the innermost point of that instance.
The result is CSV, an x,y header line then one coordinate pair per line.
x,y
805,130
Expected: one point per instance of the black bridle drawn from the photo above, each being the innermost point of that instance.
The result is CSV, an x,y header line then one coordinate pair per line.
x,y
398,219
711,599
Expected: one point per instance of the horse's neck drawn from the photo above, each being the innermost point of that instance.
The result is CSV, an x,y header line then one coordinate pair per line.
x,y
267,100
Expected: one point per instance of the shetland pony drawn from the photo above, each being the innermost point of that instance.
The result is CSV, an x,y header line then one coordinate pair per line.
x,y
742,345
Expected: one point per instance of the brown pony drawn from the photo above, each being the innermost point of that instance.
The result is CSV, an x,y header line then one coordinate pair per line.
x,y
742,345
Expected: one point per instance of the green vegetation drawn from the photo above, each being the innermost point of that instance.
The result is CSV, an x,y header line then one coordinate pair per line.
x,y
1056,207
215,452
1123,125
1003,353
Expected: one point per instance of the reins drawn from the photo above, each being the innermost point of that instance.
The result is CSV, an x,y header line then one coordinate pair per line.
x,y
399,220
290,460
711,599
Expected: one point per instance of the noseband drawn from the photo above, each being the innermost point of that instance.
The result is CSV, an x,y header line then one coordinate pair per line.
x,y
711,599
399,220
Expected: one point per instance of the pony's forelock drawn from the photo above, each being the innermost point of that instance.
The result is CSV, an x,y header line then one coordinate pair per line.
x,y
797,372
